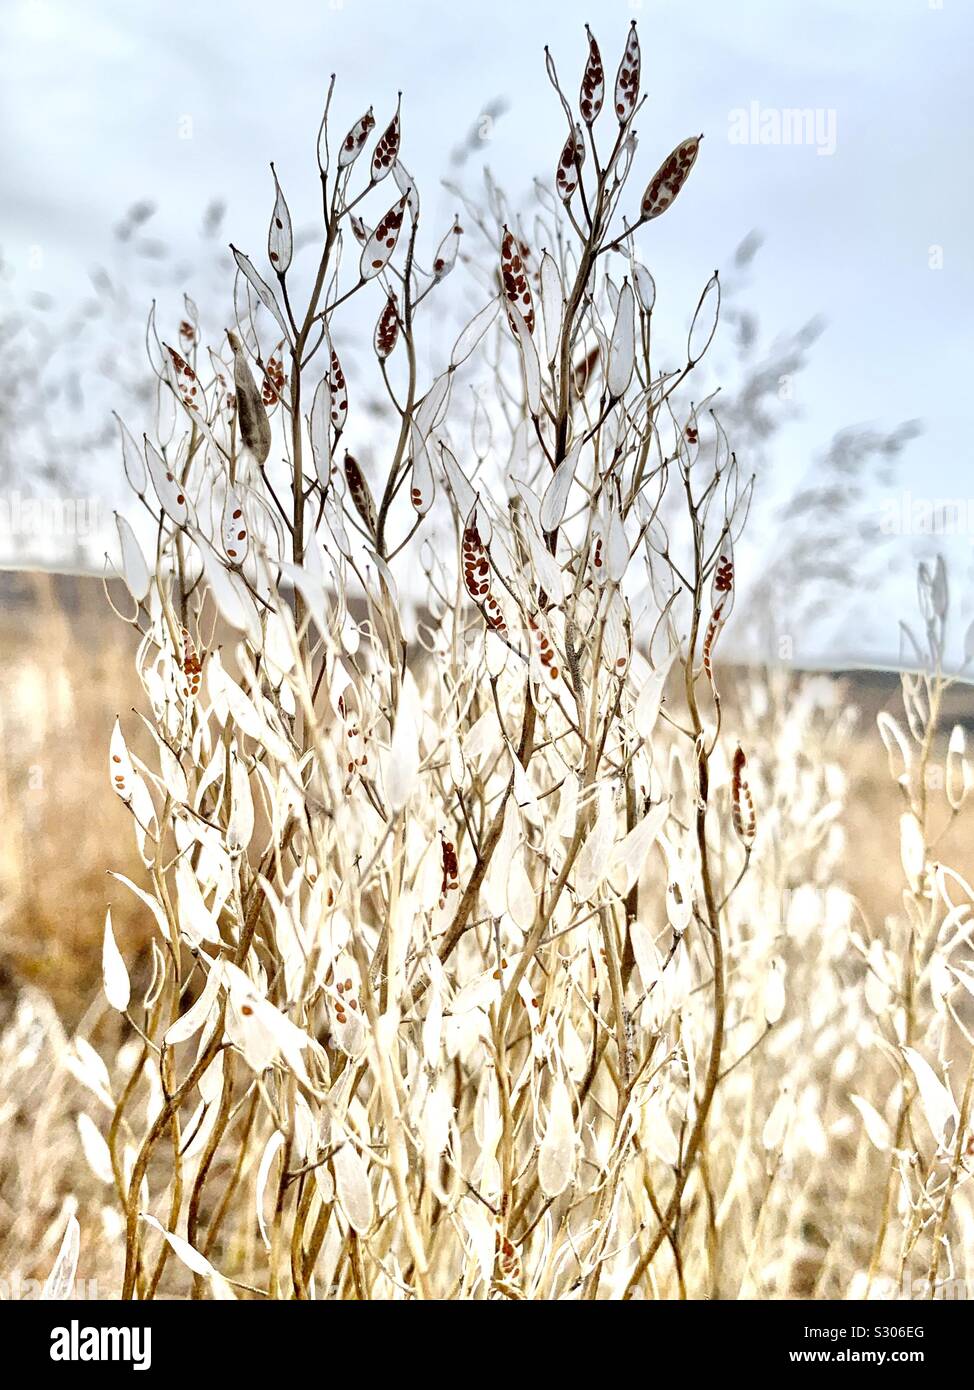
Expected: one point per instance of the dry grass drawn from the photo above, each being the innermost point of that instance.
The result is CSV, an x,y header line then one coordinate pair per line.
x,y
67,671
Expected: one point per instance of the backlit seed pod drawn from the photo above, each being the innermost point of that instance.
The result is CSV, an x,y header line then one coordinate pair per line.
x,y
622,346
592,91
406,184
191,666
273,387
446,253
742,806
722,587
721,598
387,330
261,289
704,324
280,243
627,78
421,485
669,178
338,392
168,487
360,493
386,150
515,281
354,141
186,382
451,868
236,542
382,242
255,428
569,165
543,651
476,569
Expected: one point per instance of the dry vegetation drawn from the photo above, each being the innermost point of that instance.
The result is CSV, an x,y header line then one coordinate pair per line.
x,y
484,937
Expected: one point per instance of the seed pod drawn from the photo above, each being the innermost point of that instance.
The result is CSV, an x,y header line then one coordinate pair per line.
x,y
382,242
280,243
958,780
622,346
557,1154
236,541
645,287
406,184
446,253
555,500
544,657
387,330
386,150
255,428
360,493
421,485
273,387
552,303
115,975
185,380
132,461
742,806
168,488
319,424
261,289
339,394
570,165
669,178
722,587
135,571
354,141
627,78
774,992
476,568
352,1187
704,324
515,281
722,600
592,91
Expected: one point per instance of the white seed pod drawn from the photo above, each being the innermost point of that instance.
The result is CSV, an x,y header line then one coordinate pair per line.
x,y
115,975
352,1187
704,324
60,1282
774,992
135,571
938,1104
557,1154
959,776
554,503
622,345
877,1130
280,242
189,1256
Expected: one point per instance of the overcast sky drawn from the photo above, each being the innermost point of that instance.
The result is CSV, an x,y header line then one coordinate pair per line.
x,y
107,101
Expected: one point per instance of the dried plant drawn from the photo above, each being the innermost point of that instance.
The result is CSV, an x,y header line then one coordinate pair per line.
x,y
495,956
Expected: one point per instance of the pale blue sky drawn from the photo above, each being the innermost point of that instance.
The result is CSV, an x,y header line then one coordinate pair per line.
x,y
95,96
